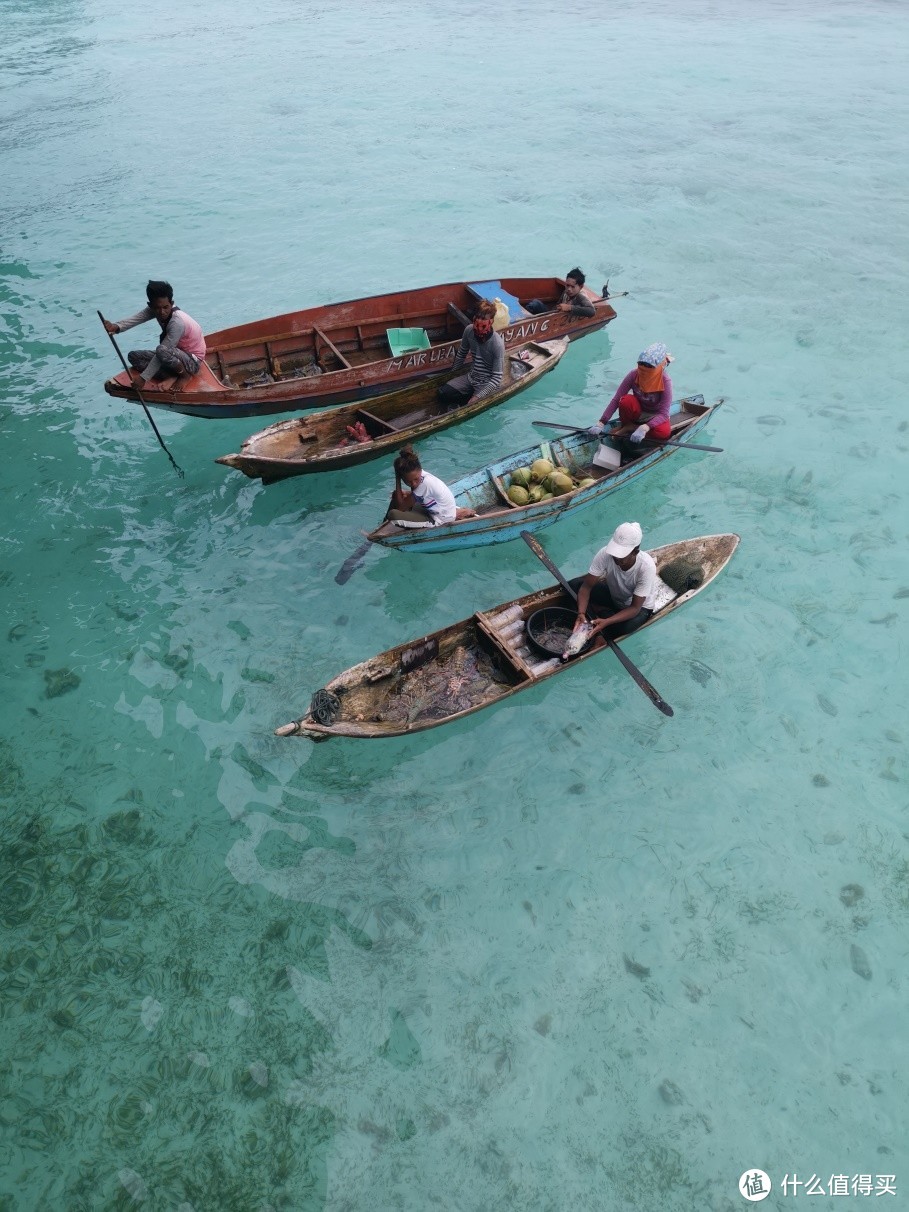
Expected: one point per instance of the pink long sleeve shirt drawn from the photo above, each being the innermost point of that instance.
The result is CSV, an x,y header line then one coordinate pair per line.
x,y
655,404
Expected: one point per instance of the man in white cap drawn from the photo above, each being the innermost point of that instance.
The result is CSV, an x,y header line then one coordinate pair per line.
x,y
618,593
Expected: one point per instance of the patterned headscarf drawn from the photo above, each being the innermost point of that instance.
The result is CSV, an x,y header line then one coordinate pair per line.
x,y
655,355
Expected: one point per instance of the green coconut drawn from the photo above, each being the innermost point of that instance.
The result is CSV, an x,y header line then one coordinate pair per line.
x,y
521,477
518,495
536,493
547,496
585,483
540,469
560,482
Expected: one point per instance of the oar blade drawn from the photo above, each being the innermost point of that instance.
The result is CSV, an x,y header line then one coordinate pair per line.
x,y
352,563
652,693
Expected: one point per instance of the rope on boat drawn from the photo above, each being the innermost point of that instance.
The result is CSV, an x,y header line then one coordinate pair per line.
x,y
325,707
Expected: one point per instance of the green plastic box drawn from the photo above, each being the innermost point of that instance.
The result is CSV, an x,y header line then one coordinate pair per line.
x,y
406,340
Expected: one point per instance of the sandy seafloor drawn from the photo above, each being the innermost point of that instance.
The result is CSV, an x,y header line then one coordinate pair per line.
x,y
239,972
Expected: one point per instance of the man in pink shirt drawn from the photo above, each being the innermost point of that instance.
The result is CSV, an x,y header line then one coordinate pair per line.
x,y
181,349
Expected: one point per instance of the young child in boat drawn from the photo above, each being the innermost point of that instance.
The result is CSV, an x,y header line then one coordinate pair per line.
x,y
425,500
618,593
181,348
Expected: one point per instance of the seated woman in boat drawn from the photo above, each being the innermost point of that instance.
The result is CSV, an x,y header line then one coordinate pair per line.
x,y
426,500
487,367
571,301
644,397
618,593
181,348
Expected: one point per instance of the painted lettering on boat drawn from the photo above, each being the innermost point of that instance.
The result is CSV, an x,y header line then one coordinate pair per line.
x,y
413,658
446,353
520,332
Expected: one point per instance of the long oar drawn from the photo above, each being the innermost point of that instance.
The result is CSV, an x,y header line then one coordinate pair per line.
x,y
352,563
649,441
177,468
655,697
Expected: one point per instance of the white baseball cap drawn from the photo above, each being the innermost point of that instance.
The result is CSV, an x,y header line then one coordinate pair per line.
x,y
625,539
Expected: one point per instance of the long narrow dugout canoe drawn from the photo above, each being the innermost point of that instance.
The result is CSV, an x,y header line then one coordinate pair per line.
x,y
477,662
330,355
313,443
499,521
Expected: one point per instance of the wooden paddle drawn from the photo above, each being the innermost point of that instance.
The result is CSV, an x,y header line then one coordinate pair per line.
x,y
655,697
352,563
179,470
647,441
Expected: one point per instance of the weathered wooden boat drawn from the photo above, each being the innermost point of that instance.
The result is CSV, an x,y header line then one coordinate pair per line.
x,y
329,355
475,663
320,441
498,520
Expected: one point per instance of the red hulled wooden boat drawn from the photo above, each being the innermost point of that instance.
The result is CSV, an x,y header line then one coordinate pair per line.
x,y
356,350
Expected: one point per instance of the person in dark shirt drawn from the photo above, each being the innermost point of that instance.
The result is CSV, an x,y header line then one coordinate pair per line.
x,y
572,300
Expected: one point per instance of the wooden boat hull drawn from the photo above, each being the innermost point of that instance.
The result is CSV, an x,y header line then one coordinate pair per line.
x,y
497,522
377,697
345,345
310,444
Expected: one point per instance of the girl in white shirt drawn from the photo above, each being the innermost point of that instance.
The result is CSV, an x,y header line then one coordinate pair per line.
x,y
421,499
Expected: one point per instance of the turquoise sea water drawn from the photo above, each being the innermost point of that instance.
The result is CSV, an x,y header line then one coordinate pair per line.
x,y
240,972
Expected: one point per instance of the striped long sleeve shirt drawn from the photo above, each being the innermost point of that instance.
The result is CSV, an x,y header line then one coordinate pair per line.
x,y
487,367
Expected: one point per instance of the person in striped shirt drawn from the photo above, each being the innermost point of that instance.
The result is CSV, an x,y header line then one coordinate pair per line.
x,y
487,365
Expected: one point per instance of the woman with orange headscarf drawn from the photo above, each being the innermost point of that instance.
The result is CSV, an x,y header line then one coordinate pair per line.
x,y
644,397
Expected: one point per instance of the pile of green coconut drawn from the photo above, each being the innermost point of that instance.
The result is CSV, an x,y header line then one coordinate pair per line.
x,y
541,481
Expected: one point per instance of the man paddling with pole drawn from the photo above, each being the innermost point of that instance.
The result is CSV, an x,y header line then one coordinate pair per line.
x,y
181,348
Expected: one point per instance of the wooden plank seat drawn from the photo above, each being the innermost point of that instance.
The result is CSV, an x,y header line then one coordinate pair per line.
x,y
494,290
317,332
407,419
375,426
458,314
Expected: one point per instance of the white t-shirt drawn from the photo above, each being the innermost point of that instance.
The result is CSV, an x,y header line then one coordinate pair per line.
x,y
436,498
638,582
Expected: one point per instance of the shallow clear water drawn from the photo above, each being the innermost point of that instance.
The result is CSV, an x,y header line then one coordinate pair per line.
x,y
240,971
